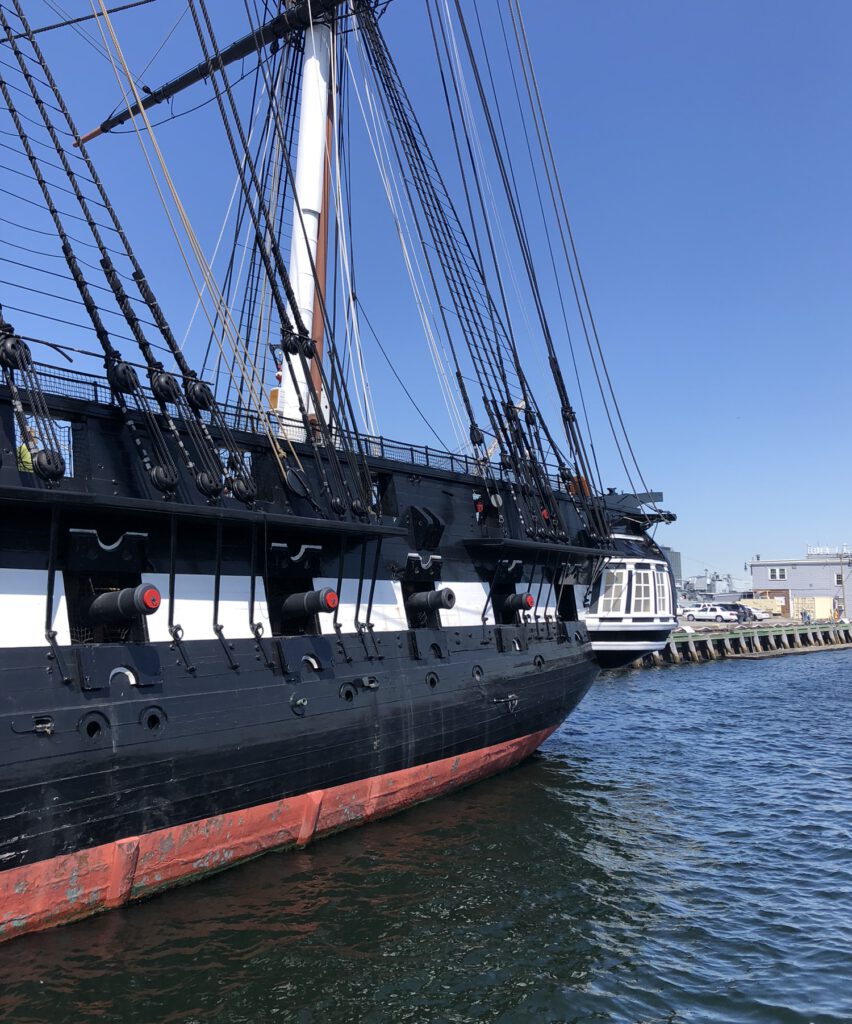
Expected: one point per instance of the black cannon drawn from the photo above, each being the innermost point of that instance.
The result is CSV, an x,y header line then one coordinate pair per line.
x,y
431,600
124,605
310,602
519,603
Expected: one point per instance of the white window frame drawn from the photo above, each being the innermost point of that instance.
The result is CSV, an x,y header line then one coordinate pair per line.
x,y
777,573
613,592
663,593
838,579
643,592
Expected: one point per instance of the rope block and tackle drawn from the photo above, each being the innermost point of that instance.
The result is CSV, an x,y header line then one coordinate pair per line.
x,y
40,441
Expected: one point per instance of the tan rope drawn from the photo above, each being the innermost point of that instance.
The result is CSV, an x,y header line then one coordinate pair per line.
x,y
250,372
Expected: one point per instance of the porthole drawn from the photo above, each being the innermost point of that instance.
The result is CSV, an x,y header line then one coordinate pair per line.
x,y
538,661
347,692
437,651
94,726
432,679
477,672
153,719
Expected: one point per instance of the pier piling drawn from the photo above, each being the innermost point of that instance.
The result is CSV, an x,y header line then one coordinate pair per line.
x,y
748,643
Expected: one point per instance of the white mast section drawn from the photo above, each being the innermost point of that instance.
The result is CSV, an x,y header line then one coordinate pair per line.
x,y
307,200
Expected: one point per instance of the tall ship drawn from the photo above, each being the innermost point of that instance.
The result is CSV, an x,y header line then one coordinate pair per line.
x,y
236,615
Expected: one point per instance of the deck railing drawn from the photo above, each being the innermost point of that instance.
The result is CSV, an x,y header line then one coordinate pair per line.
x,y
87,387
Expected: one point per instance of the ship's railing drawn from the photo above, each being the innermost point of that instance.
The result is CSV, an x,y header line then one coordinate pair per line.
x,y
87,387
375,446
74,384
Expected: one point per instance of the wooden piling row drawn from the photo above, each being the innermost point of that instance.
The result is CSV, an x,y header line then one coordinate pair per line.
x,y
752,643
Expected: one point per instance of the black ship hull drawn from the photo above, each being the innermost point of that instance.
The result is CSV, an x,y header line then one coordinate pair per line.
x,y
187,775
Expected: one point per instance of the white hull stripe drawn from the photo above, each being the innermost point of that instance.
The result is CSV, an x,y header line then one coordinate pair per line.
x,y
23,607
387,612
639,646
603,626
194,606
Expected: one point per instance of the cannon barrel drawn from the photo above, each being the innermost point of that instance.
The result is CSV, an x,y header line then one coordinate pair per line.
x,y
122,605
519,603
310,602
431,600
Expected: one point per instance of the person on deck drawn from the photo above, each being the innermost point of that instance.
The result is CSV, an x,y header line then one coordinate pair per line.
x,y
23,457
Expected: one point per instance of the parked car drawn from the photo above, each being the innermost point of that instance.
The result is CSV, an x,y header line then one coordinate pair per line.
x,y
742,611
751,614
711,613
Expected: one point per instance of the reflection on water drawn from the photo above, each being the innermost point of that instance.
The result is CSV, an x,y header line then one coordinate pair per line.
x,y
678,852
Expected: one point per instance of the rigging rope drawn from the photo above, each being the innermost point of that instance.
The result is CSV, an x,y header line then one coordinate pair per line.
x,y
545,220
123,379
270,254
76,21
376,126
221,307
526,402
595,516
361,473
203,460
486,338
343,244
561,209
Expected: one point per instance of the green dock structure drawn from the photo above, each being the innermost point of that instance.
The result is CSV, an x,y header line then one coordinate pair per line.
x,y
686,648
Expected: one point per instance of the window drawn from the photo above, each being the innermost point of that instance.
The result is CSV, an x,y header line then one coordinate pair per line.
x,y
778,574
663,603
614,592
838,579
642,596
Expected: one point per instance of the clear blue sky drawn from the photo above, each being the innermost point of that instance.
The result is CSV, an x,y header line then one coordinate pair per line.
x,y
705,150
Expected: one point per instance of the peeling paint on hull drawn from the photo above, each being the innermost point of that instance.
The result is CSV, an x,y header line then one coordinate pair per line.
x,y
76,885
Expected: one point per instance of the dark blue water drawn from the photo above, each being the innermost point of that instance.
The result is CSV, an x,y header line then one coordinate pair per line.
x,y
680,851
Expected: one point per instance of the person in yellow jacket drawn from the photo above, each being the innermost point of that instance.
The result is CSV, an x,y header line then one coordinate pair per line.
x,y
23,458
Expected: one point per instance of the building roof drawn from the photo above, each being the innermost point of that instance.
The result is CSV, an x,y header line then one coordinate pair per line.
x,y
814,556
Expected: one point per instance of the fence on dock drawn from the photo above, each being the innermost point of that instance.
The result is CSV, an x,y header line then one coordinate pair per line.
x,y
758,642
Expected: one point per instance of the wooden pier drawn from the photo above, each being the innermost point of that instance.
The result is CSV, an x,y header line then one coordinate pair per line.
x,y
753,642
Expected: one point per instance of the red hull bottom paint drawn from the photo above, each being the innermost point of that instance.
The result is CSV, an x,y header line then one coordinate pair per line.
x,y
78,884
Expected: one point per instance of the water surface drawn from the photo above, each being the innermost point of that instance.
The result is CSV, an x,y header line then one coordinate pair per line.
x,y
679,852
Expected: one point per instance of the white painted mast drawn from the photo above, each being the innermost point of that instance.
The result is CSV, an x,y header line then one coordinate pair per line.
x,y
310,173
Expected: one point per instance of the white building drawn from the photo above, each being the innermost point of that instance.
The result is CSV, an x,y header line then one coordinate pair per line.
x,y
817,583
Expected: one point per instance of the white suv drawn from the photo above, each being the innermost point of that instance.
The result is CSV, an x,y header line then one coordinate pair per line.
x,y
711,613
